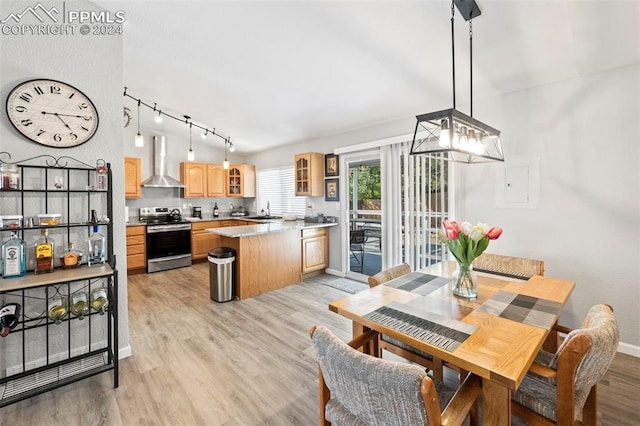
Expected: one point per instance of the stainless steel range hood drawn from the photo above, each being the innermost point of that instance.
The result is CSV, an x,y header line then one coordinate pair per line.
x,y
160,179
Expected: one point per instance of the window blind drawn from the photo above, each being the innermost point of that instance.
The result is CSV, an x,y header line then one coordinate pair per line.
x,y
277,187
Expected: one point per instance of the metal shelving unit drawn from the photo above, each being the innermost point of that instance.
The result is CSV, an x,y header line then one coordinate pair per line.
x,y
40,355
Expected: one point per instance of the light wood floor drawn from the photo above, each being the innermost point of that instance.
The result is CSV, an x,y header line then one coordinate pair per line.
x,y
245,362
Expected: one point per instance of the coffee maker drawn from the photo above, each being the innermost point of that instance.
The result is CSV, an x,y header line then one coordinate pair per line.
x,y
196,212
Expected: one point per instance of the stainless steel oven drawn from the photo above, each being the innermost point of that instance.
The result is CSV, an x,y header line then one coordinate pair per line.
x,y
168,238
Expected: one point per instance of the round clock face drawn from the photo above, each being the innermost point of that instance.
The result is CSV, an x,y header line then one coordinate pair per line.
x,y
52,113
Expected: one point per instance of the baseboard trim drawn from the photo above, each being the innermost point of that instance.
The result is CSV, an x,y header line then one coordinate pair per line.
x,y
124,352
334,272
629,349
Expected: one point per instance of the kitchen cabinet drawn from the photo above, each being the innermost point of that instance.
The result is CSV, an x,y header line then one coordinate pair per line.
x,y
315,249
215,180
194,177
309,174
136,248
241,180
132,179
234,222
202,241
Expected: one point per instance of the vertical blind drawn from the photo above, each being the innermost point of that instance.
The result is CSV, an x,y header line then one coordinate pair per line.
x,y
277,187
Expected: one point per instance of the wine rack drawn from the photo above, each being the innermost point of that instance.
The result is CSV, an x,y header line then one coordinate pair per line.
x,y
39,354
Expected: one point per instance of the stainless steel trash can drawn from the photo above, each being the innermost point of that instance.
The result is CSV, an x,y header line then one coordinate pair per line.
x,y
221,277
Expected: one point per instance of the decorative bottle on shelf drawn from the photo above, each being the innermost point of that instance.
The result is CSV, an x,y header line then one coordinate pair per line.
x,y
101,175
99,300
9,314
44,253
79,304
216,212
71,258
96,255
57,309
14,263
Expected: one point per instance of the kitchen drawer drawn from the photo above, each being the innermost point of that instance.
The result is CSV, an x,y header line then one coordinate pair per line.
x,y
135,239
135,249
136,230
232,222
136,261
197,226
313,232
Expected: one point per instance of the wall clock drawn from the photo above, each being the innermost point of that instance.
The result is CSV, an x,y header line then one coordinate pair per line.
x,y
52,113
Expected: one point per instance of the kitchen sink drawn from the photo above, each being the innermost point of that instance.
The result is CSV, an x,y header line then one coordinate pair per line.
x,y
263,217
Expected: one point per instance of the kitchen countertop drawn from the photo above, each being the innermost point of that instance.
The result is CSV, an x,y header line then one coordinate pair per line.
x,y
271,226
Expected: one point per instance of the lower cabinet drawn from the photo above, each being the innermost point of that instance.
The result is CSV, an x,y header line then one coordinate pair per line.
x,y
136,247
315,249
202,241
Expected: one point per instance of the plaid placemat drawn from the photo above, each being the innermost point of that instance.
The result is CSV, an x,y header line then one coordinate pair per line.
x,y
445,333
418,282
525,309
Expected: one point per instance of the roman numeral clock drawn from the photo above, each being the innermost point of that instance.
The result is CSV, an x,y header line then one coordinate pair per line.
x,y
52,113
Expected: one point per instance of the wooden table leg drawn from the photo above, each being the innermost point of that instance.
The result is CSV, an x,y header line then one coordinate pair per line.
x,y
496,404
371,347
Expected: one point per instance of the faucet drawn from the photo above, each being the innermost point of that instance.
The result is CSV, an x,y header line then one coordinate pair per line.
x,y
268,209
230,206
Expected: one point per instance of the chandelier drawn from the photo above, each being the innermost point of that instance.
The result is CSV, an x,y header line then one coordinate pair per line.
x,y
450,134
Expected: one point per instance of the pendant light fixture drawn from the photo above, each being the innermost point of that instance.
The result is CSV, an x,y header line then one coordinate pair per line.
x,y
449,134
190,154
139,141
225,163
158,118
231,147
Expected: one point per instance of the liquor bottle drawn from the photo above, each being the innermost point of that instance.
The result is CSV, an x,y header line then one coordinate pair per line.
x,y
44,253
97,247
9,314
216,212
71,258
79,304
101,175
99,300
14,263
57,309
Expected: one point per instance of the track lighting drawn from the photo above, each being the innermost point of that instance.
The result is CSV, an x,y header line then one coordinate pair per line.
x,y
190,154
225,163
231,147
204,135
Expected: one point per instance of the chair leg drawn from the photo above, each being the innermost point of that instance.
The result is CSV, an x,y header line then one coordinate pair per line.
x,y
590,409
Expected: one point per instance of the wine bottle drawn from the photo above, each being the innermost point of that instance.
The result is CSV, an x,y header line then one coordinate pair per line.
x,y
57,309
216,212
9,314
14,262
99,300
79,304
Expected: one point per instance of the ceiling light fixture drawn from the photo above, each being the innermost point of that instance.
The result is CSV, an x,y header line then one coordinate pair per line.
x,y
158,117
225,163
449,134
139,141
231,147
191,156
204,135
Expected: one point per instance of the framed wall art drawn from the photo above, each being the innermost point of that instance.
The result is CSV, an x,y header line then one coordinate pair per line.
x,y
331,190
331,165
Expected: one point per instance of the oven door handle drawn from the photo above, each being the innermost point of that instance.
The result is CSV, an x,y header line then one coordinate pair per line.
x,y
168,228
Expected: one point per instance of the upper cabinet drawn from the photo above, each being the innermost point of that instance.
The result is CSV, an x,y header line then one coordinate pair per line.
x,y
132,170
309,169
215,180
194,177
241,180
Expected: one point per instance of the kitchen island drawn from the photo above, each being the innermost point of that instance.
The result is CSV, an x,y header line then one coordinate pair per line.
x,y
272,254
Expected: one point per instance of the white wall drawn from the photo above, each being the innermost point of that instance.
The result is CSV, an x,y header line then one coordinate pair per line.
x,y
586,227
93,64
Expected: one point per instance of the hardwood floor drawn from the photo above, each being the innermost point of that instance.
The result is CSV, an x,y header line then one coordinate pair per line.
x,y
250,362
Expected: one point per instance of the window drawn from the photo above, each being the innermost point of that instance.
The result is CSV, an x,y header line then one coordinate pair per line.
x,y
277,187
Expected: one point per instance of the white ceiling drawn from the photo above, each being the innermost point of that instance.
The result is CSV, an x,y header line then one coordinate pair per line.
x,y
268,73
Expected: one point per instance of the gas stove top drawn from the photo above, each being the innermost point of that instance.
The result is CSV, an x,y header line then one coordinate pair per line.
x,y
161,215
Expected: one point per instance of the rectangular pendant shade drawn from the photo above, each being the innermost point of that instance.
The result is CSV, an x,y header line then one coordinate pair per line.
x,y
454,136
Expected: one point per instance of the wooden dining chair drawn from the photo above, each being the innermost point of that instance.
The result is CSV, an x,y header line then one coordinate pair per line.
x,y
356,388
395,346
508,266
561,388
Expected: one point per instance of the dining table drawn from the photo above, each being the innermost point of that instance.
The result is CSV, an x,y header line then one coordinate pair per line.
x,y
495,336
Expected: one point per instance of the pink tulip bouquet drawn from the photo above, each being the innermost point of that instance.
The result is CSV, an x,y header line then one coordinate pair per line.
x,y
466,242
